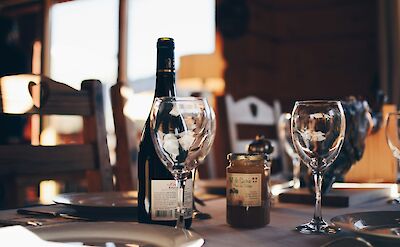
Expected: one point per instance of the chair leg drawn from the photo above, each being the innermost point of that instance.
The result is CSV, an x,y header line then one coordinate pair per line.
x,y
94,181
9,193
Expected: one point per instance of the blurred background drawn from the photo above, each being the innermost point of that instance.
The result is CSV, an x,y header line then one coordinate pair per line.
x,y
278,51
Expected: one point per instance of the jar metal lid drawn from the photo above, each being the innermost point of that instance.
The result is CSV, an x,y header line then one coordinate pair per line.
x,y
245,156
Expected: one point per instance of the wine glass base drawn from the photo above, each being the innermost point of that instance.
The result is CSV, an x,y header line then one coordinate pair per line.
x,y
200,215
317,227
394,201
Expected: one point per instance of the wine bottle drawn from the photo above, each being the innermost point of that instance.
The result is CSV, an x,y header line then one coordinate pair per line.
x,y
157,197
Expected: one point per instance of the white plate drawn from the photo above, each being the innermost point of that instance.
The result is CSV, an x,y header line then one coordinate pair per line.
x,y
382,224
127,199
119,233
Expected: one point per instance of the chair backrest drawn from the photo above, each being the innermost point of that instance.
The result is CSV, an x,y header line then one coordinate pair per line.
x,y
251,111
125,150
89,159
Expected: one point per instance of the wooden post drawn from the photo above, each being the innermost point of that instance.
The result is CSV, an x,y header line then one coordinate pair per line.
x,y
125,166
46,38
123,43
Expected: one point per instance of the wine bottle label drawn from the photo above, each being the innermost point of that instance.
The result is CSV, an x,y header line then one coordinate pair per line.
x,y
164,199
243,189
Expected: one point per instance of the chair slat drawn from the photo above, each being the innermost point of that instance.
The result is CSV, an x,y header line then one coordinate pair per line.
x,y
61,99
62,158
63,104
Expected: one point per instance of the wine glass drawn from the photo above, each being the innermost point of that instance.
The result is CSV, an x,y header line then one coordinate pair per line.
x,y
182,130
392,131
318,129
285,136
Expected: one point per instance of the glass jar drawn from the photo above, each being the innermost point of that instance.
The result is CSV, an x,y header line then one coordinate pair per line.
x,y
248,190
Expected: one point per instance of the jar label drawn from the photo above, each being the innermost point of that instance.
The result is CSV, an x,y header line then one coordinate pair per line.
x,y
164,199
243,189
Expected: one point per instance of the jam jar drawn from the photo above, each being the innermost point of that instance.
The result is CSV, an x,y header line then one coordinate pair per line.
x,y
248,191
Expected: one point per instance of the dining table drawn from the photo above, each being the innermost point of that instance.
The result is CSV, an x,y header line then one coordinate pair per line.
x,y
280,231
284,217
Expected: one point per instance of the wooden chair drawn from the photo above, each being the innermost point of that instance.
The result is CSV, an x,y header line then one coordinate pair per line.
x,y
22,165
255,112
125,150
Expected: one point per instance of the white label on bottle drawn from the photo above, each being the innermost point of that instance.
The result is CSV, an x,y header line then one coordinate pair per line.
x,y
164,199
243,189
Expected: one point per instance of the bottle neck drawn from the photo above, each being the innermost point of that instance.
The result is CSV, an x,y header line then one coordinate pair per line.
x,y
165,84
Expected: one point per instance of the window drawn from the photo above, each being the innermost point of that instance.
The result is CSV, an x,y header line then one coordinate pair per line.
x,y
84,45
192,25
190,22
84,41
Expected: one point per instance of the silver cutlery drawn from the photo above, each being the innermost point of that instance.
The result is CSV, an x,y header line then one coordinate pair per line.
x,y
17,222
32,212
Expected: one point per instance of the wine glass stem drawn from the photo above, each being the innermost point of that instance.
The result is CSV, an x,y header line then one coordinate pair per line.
x,y
296,172
194,171
318,185
180,222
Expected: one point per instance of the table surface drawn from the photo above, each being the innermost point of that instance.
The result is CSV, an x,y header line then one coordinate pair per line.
x,y
280,232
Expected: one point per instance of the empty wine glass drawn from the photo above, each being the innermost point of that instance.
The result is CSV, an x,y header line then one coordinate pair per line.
x,y
182,130
392,131
318,129
285,137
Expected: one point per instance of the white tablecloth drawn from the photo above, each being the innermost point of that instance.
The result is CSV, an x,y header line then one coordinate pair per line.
x,y
280,232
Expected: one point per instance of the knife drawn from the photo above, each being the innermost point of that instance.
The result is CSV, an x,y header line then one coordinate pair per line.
x,y
24,211
32,212
17,222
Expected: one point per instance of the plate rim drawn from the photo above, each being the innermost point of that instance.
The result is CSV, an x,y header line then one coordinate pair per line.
x,y
195,238
380,235
60,199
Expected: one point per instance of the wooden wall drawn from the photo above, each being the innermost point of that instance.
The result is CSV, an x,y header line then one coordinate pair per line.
x,y
291,50
304,49
25,18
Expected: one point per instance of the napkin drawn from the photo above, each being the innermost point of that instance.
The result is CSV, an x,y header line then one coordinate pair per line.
x,y
20,236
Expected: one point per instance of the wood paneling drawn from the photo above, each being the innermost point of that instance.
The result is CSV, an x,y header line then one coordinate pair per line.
x,y
297,21
303,50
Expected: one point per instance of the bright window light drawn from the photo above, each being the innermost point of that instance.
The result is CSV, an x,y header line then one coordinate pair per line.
x,y
190,22
84,41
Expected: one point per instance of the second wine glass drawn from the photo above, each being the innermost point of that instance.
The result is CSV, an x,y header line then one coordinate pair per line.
x,y
392,131
285,137
182,130
318,130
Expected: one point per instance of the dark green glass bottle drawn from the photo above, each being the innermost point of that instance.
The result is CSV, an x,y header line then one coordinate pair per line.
x,y
157,190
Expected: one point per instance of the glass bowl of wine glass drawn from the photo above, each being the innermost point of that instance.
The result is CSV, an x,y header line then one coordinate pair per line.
x,y
182,130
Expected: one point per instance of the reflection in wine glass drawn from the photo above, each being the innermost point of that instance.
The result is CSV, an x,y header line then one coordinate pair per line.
x,y
318,129
392,131
182,130
285,137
